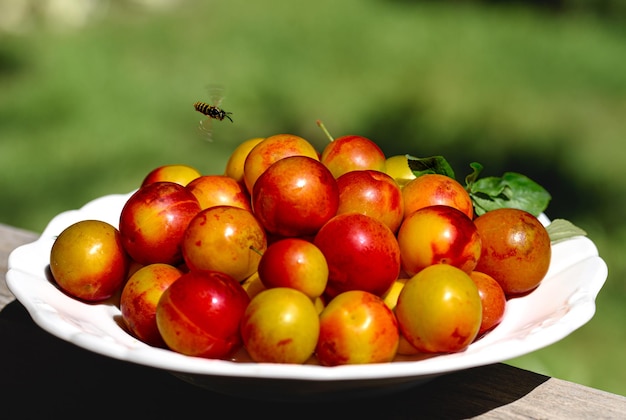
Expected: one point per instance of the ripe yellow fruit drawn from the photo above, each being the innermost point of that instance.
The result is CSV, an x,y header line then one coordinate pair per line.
x,y
234,165
390,297
178,173
397,167
253,285
439,309
88,260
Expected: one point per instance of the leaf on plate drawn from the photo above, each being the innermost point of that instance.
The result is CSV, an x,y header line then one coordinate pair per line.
x,y
561,229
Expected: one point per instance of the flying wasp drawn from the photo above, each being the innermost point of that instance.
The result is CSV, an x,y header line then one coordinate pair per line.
x,y
212,111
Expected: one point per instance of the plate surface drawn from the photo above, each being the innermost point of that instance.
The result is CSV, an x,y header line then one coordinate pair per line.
x,y
563,302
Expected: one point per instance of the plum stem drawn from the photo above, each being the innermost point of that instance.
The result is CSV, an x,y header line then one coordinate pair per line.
x,y
256,250
321,125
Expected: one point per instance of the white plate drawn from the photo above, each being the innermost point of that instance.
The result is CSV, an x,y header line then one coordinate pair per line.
x,y
563,302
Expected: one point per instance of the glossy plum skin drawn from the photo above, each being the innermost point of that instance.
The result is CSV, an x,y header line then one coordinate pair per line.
x,y
280,325
439,310
438,234
397,167
352,152
88,260
270,150
373,193
140,297
390,297
153,221
295,196
253,285
436,189
178,173
294,263
516,249
200,313
362,254
357,327
493,301
219,190
226,239
235,164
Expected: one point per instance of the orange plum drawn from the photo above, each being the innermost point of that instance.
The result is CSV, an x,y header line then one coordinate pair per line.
x,y
357,327
516,249
493,301
438,235
178,173
295,196
235,163
200,313
294,263
280,325
272,149
88,260
219,190
226,239
436,189
362,254
153,221
140,297
439,310
352,152
373,193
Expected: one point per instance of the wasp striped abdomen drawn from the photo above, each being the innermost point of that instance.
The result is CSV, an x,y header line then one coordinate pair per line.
x,y
212,111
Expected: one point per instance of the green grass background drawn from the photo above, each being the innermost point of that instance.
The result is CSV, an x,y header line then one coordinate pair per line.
x,y
89,112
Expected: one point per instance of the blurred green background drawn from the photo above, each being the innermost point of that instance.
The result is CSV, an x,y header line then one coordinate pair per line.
x,y
95,94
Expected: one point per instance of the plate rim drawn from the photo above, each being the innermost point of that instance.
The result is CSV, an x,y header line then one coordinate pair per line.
x,y
141,353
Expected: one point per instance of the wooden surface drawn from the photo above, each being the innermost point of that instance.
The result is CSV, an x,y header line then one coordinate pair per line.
x,y
41,375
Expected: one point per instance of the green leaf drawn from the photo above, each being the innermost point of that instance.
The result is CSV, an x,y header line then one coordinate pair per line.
x,y
472,177
512,190
561,229
430,165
